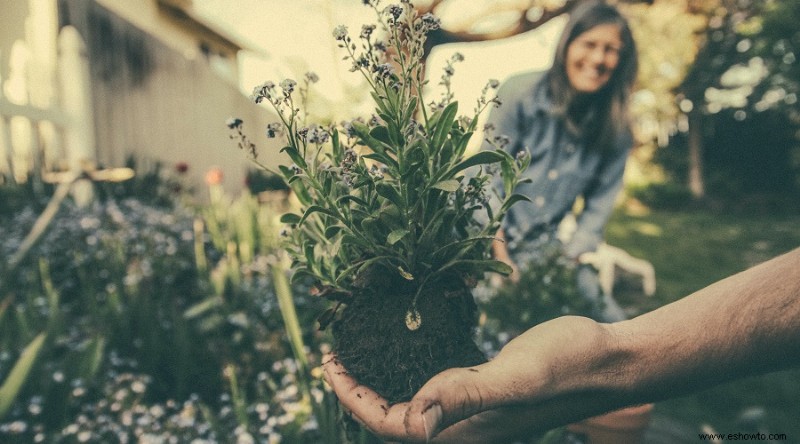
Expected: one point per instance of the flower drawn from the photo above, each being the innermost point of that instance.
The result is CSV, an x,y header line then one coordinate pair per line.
x,y
233,122
262,91
274,129
340,32
214,176
366,31
431,22
287,85
183,167
395,11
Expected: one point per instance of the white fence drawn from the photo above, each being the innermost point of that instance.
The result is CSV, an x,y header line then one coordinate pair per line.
x,y
45,113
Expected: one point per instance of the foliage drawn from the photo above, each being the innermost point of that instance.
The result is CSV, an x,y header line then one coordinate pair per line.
x,y
130,321
391,192
667,195
547,288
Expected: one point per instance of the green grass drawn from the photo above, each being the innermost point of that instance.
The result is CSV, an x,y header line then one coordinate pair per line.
x,y
690,250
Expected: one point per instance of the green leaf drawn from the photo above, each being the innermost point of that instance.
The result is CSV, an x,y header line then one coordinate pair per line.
x,y
290,218
294,154
396,235
19,373
507,173
93,357
357,266
380,101
202,307
316,209
371,226
514,198
479,266
337,150
364,133
462,243
480,158
443,126
349,197
410,109
460,146
388,191
300,273
381,133
450,185
332,230
384,159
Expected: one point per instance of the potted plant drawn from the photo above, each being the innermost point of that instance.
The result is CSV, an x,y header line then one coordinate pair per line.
x,y
395,226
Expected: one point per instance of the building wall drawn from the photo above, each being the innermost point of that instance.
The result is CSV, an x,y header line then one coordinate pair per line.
x,y
153,19
151,102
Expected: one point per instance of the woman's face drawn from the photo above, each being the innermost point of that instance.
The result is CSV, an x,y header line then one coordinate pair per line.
x,y
592,58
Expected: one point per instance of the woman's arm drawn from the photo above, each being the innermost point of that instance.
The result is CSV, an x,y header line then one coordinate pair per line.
x,y
599,201
572,368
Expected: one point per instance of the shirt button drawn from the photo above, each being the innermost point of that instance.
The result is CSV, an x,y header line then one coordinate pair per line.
x,y
552,174
539,201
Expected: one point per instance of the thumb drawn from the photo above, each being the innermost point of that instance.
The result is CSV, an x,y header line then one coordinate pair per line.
x,y
446,399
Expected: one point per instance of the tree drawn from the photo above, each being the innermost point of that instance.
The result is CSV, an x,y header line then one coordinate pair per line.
x,y
746,63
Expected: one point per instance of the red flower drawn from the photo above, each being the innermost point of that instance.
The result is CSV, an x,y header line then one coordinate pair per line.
x,y
181,167
214,176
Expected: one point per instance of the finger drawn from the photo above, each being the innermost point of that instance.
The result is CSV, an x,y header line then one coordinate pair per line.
x,y
365,405
446,399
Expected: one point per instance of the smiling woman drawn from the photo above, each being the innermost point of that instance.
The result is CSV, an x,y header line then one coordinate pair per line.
x,y
593,57
573,120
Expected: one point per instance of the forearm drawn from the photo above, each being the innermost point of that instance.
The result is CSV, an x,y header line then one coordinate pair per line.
x,y
746,324
743,325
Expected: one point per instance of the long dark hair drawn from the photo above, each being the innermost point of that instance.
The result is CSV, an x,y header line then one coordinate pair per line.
x,y
607,114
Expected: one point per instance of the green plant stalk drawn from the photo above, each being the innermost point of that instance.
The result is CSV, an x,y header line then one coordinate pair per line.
x,y
283,292
239,400
201,261
39,227
53,297
19,373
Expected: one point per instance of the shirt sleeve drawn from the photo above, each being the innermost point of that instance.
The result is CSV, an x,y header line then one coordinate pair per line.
x,y
599,200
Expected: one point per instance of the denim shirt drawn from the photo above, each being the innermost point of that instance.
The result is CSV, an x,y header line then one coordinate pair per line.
x,y
563,167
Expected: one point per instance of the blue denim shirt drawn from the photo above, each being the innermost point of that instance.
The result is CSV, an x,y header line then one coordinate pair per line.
x,y
563,167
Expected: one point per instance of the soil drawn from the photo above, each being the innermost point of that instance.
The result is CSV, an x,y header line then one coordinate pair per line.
x,y
374,344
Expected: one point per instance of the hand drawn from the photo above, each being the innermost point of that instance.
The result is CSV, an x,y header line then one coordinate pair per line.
x,y
505,399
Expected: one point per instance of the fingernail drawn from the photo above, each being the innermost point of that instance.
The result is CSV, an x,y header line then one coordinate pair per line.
x,y
430,420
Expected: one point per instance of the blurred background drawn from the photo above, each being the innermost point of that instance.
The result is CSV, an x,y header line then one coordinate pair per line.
x,y
143,293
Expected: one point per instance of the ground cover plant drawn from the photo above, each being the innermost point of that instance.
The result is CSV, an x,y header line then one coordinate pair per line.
x,y
133,320
395,222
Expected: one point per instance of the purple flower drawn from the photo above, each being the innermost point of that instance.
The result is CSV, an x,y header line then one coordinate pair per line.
x,y
233,122
340,32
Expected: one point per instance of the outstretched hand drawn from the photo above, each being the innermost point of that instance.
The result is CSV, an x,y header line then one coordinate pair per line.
x,y
499,401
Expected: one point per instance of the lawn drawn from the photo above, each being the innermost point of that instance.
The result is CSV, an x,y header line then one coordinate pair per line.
x,y
691,249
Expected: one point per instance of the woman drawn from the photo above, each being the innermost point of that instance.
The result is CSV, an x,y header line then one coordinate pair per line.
x,y
573,121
